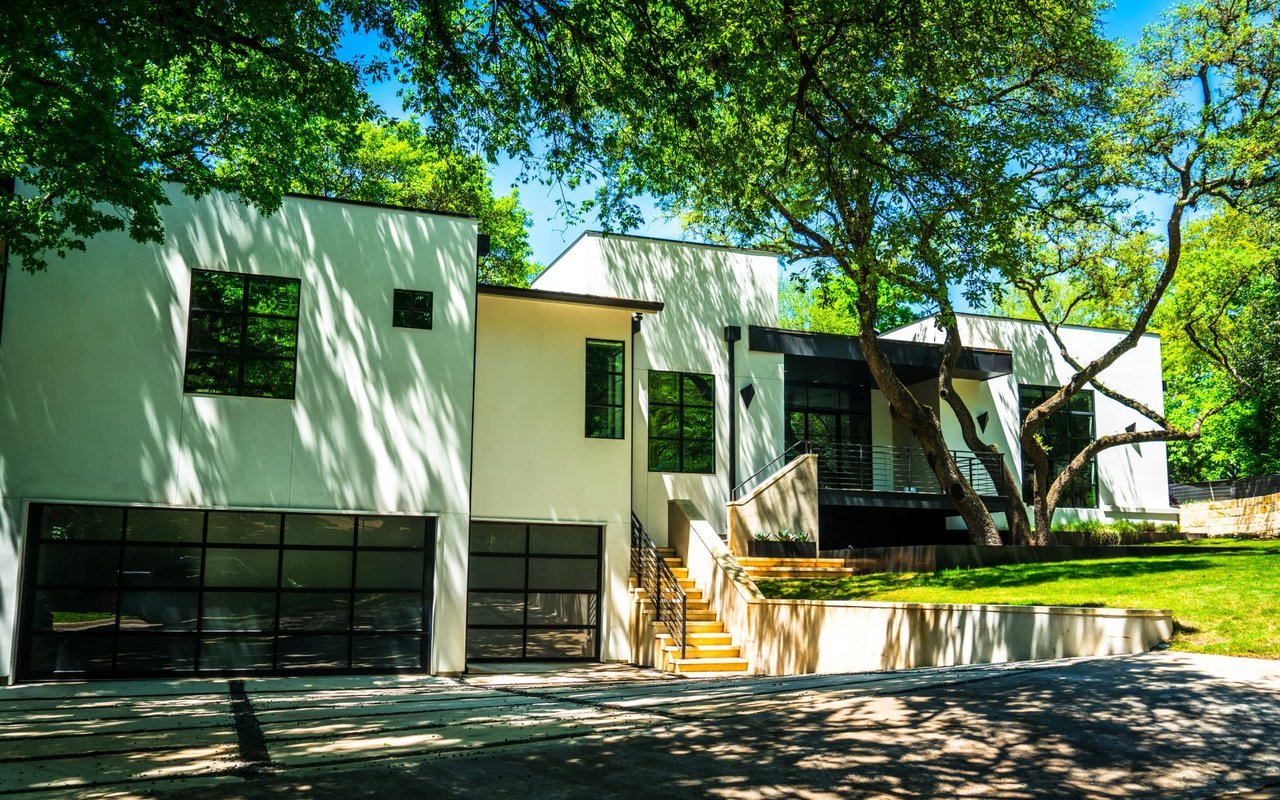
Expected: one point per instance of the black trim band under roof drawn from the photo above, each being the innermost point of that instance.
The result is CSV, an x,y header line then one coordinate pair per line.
x,y
641,306
973,364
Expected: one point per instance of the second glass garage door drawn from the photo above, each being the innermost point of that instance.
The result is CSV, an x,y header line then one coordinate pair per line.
x,y
533,592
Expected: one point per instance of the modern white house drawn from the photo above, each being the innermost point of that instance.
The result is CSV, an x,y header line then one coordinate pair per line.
x,y
311,442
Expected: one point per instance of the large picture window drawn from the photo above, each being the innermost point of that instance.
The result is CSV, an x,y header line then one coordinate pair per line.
x,y
242,335
682,422
606,389
1064,434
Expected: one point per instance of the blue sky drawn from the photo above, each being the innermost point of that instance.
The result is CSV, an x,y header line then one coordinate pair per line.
x,y
550,234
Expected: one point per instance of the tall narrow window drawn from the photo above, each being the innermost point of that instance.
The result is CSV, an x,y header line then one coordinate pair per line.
x,y
682,422
1065,433
606,389
242,335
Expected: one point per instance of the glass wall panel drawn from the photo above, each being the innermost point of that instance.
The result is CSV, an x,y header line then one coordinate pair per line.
x,y
497,537
244,527
376,570
72,652
547,608
496,572
316,529
156,653
564,539
159,611
561,644
495,643
165,525
313,652
219,653
495,608
316,569
388,611
226,567
394,531
239,611
78,564
310,611
69,523
74,610
563,573
386,652
168,567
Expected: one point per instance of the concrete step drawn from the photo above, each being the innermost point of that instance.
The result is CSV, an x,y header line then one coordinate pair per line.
x,y
703,665
748,561
699,639
697,626
667,551
797,573
703,651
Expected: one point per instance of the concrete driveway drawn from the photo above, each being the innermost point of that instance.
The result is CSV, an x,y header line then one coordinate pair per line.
x,y
1158,725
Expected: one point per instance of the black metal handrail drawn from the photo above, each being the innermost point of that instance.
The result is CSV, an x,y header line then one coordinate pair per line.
x,y
670,603
884,468
795,450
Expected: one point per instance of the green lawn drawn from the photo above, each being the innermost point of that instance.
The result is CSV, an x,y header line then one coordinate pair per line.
x,y
1225,603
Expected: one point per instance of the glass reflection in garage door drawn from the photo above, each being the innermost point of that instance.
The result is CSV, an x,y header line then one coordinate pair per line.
x,y
533,592
145,591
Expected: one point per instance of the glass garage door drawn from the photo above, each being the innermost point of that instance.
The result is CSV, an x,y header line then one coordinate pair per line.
x,y
143,591
533,593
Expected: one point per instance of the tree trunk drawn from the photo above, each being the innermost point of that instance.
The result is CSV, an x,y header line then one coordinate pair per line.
x,y
928,431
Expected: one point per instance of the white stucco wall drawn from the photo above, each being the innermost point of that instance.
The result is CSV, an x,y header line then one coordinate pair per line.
x,y
532,460
1133,481
91,368
704,289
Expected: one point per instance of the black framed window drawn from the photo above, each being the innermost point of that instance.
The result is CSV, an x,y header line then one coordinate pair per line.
x,y
124,591
1065,433
606,389
242,335
682,422
411,309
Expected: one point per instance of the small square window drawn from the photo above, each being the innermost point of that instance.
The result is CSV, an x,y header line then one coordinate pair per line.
x,y
411,309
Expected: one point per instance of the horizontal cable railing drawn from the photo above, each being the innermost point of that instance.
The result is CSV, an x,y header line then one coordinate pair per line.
x,y
883,468
670,603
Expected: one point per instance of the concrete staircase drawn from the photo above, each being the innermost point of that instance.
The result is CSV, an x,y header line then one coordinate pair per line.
x,y
710,648
781,569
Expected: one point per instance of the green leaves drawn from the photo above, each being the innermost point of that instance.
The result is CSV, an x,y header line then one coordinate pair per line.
x,y
101,102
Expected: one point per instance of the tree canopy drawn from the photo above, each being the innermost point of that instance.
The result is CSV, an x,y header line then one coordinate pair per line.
x,y
400,164
102,102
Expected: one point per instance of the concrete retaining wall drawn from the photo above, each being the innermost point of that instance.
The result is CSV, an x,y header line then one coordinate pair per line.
x,y
787,637
934,557
1246,516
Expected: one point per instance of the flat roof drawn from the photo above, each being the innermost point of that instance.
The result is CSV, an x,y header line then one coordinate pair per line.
x,y
387,206
1017,319
639,306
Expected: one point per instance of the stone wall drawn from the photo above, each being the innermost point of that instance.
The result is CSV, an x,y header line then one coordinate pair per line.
x,y
1246,516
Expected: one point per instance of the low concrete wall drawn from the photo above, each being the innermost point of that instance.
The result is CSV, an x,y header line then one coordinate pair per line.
x,y
788,500
1246,516
787,637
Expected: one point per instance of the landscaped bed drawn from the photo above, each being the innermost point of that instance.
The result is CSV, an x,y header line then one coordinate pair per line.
x,y
1224,602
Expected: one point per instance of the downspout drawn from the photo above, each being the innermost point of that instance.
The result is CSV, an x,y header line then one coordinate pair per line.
x,y
732,333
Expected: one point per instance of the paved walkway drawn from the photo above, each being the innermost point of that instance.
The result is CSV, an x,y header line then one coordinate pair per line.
x,y
1158,725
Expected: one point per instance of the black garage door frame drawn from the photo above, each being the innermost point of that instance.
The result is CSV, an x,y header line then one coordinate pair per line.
x,y
157,591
